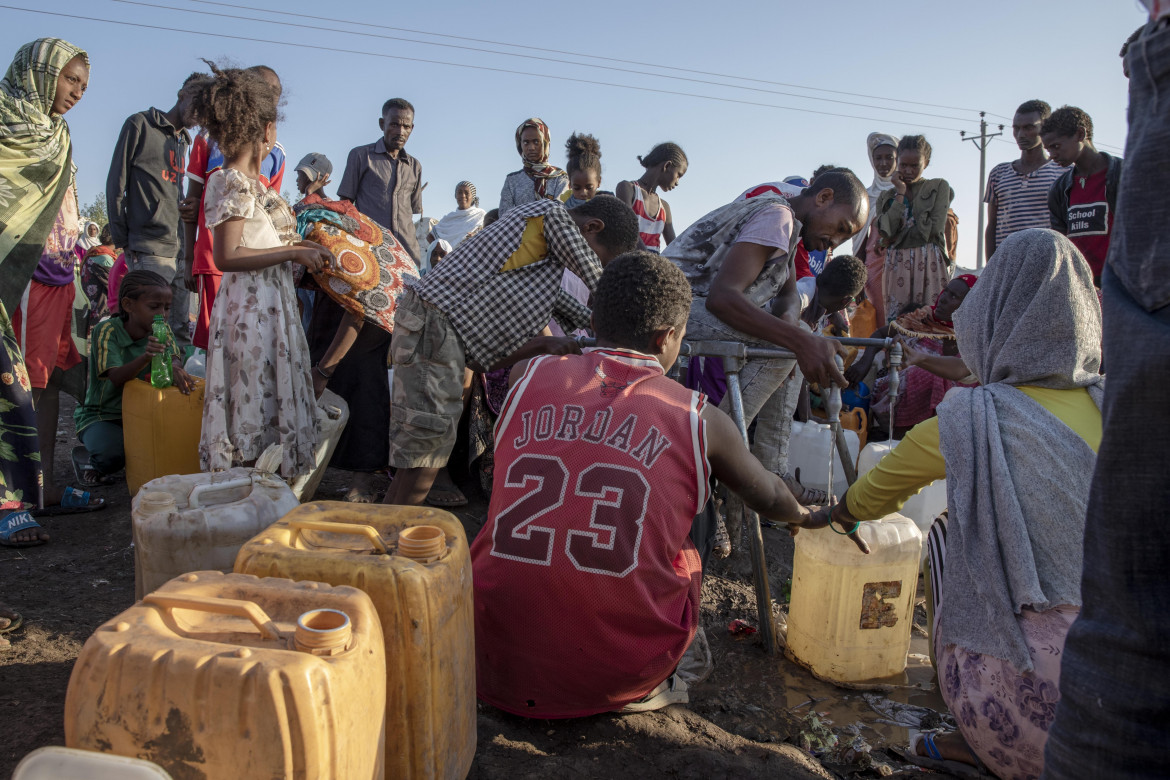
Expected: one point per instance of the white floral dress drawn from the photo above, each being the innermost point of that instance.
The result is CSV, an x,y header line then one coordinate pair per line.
x,y
259,390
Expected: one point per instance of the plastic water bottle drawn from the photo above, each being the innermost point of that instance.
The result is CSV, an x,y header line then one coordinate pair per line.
x,y
160,364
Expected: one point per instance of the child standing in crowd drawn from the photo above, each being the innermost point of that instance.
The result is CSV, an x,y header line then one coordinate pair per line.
x,y
121,349
259,389
665,165
1084,199
95,278
537,179
912,219
206,158
583,168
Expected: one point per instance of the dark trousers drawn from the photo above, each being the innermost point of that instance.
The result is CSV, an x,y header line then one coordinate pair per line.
x,y
107,452
1114,710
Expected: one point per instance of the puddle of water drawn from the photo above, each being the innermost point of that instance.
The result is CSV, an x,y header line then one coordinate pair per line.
x,y
770,691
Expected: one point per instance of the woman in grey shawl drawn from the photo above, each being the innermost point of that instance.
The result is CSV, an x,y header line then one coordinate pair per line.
x,y
1018,454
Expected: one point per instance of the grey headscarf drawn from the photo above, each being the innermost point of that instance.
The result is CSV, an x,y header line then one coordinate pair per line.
x,y
1033,318
1017,476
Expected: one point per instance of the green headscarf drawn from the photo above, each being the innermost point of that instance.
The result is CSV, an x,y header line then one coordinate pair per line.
x,y
36,166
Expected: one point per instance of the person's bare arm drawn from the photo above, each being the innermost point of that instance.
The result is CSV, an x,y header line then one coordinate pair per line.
x,y
989,232
625,193
347,333
189,211
856,372
734,466
668,228
727,301
231,256
947,367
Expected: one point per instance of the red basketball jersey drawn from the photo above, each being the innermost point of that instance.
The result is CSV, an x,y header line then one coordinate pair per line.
x,y
586,580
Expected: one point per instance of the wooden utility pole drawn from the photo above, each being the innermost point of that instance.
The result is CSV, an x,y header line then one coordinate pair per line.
x,y
981,141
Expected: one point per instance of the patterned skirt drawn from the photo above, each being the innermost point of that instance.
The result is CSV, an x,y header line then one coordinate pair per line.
x,y
20,452
914,276
1003,713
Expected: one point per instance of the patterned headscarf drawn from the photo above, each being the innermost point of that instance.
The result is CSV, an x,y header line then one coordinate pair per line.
x,y
540,172
35,159
471,189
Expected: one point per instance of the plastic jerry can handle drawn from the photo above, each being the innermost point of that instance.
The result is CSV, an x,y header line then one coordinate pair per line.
x,y
368,531
214,487
234,607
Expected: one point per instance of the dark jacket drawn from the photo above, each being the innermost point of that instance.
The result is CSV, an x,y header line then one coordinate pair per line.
x,y
1058,196
145,184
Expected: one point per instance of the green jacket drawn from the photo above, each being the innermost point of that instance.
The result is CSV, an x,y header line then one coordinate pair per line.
x,y
923,222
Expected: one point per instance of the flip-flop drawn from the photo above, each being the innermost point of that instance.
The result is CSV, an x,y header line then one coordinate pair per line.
x,y
73,502
935,760
86,474
13,524
439,498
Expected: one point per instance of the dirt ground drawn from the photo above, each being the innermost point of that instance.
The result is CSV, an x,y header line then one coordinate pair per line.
x,y
750,718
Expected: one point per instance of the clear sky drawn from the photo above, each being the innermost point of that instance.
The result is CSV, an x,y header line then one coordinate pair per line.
x,y
975,56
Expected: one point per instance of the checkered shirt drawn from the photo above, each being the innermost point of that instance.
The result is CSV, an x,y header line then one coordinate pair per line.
x,y
496,311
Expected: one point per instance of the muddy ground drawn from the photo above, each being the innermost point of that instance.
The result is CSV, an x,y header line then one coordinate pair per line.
x,y
750,718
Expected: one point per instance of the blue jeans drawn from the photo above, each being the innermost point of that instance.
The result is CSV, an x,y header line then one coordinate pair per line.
x,y
1115,692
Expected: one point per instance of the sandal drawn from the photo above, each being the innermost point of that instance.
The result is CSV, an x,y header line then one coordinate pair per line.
x,y
934,759
804,495
73,502
722,547
672,690
85,472
447,496
14,523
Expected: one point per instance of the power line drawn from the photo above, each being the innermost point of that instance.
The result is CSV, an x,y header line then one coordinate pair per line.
x,y
334,49
595,57
383,36
1105,146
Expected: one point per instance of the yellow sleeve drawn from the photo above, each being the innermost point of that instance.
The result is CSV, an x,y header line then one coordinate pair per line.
x,y
533,246
911,466
1074,408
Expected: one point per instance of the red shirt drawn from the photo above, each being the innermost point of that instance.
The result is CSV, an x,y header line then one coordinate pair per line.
x,y
586,580
1089,220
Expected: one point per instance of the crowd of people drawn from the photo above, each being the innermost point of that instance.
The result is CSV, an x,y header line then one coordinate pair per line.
x,y
601,469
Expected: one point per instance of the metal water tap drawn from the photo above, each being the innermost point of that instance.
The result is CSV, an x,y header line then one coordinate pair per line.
x,y
895,382
833,410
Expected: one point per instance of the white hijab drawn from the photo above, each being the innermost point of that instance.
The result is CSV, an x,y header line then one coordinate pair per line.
x,y
85,240
879,185
455,226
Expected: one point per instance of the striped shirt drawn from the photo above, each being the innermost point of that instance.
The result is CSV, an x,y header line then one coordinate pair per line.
x,y
649,228
1021,199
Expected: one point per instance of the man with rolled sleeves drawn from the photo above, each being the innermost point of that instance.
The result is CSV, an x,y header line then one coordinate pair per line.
x,y
383,181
